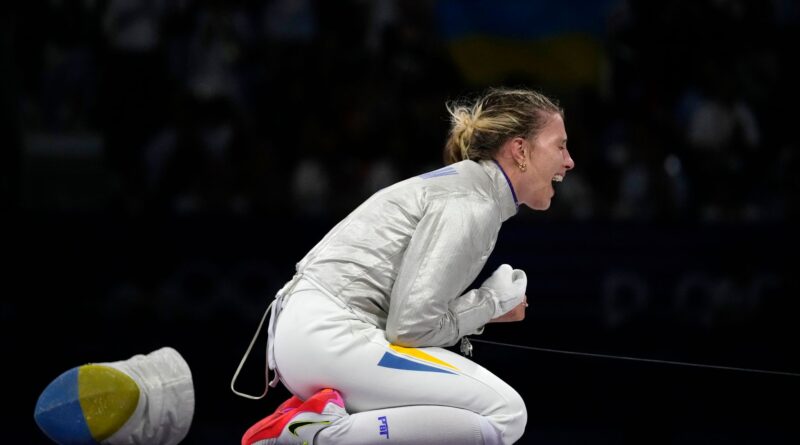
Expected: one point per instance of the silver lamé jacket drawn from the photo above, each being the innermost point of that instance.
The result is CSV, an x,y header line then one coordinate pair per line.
x,y
403,259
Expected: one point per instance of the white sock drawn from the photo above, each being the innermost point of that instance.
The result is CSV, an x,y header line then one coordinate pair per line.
x,y
423,424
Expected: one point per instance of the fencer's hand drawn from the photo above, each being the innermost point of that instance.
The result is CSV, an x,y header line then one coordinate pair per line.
x,y
516,314
507,288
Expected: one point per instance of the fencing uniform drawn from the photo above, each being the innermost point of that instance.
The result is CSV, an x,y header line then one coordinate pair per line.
x,y
374,302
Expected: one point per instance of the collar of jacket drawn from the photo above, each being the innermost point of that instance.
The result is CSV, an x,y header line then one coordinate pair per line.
x,y
503,190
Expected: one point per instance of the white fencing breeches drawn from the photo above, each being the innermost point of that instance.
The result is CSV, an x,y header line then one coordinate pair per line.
x,y
321,344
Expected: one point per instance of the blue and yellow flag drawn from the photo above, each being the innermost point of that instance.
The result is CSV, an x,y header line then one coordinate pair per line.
x,y
559,43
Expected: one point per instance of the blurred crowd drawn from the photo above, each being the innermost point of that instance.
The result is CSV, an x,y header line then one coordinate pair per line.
x,y
292,112
305,107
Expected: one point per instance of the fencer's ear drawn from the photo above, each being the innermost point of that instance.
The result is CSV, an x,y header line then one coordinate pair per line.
x,y
518,149
512,150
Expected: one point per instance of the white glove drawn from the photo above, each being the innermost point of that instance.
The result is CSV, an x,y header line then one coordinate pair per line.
x,y
507,288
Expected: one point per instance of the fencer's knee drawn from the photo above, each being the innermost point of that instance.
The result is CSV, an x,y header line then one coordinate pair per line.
x,y
516,418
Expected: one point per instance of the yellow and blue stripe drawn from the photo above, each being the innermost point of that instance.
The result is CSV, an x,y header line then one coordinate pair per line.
x,y
413,359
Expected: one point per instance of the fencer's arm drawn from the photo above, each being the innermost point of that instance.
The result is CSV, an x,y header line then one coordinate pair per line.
x,y
448,249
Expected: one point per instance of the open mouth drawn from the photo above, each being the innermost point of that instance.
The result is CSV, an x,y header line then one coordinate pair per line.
x,y
558,178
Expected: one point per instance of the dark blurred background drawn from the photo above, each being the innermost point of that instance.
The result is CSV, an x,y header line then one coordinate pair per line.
x,y
166,163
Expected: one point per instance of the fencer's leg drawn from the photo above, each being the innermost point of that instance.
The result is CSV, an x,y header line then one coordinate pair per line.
x,y
144,399
424,384
412,425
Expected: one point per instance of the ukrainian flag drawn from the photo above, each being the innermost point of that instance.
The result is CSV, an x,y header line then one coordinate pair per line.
x,y
557,43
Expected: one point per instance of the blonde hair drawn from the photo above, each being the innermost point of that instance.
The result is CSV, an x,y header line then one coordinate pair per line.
x,y
479,128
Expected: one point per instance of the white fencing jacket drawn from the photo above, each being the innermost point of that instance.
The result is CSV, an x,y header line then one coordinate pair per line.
x,y
403,259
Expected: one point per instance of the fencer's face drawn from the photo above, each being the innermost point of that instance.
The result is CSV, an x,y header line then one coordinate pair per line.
x,y
548,161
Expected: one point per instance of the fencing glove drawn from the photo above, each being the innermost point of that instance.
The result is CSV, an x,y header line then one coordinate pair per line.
x,y
507,288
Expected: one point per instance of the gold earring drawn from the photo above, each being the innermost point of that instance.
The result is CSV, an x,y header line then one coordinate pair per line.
x,y
522,166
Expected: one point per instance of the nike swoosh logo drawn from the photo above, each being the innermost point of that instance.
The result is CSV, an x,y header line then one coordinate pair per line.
x,y
297,425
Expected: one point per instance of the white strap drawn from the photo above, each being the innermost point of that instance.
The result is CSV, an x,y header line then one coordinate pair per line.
x,y
247,353
274,309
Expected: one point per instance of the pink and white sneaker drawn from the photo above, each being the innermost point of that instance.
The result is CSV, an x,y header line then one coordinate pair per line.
x,y
296,422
